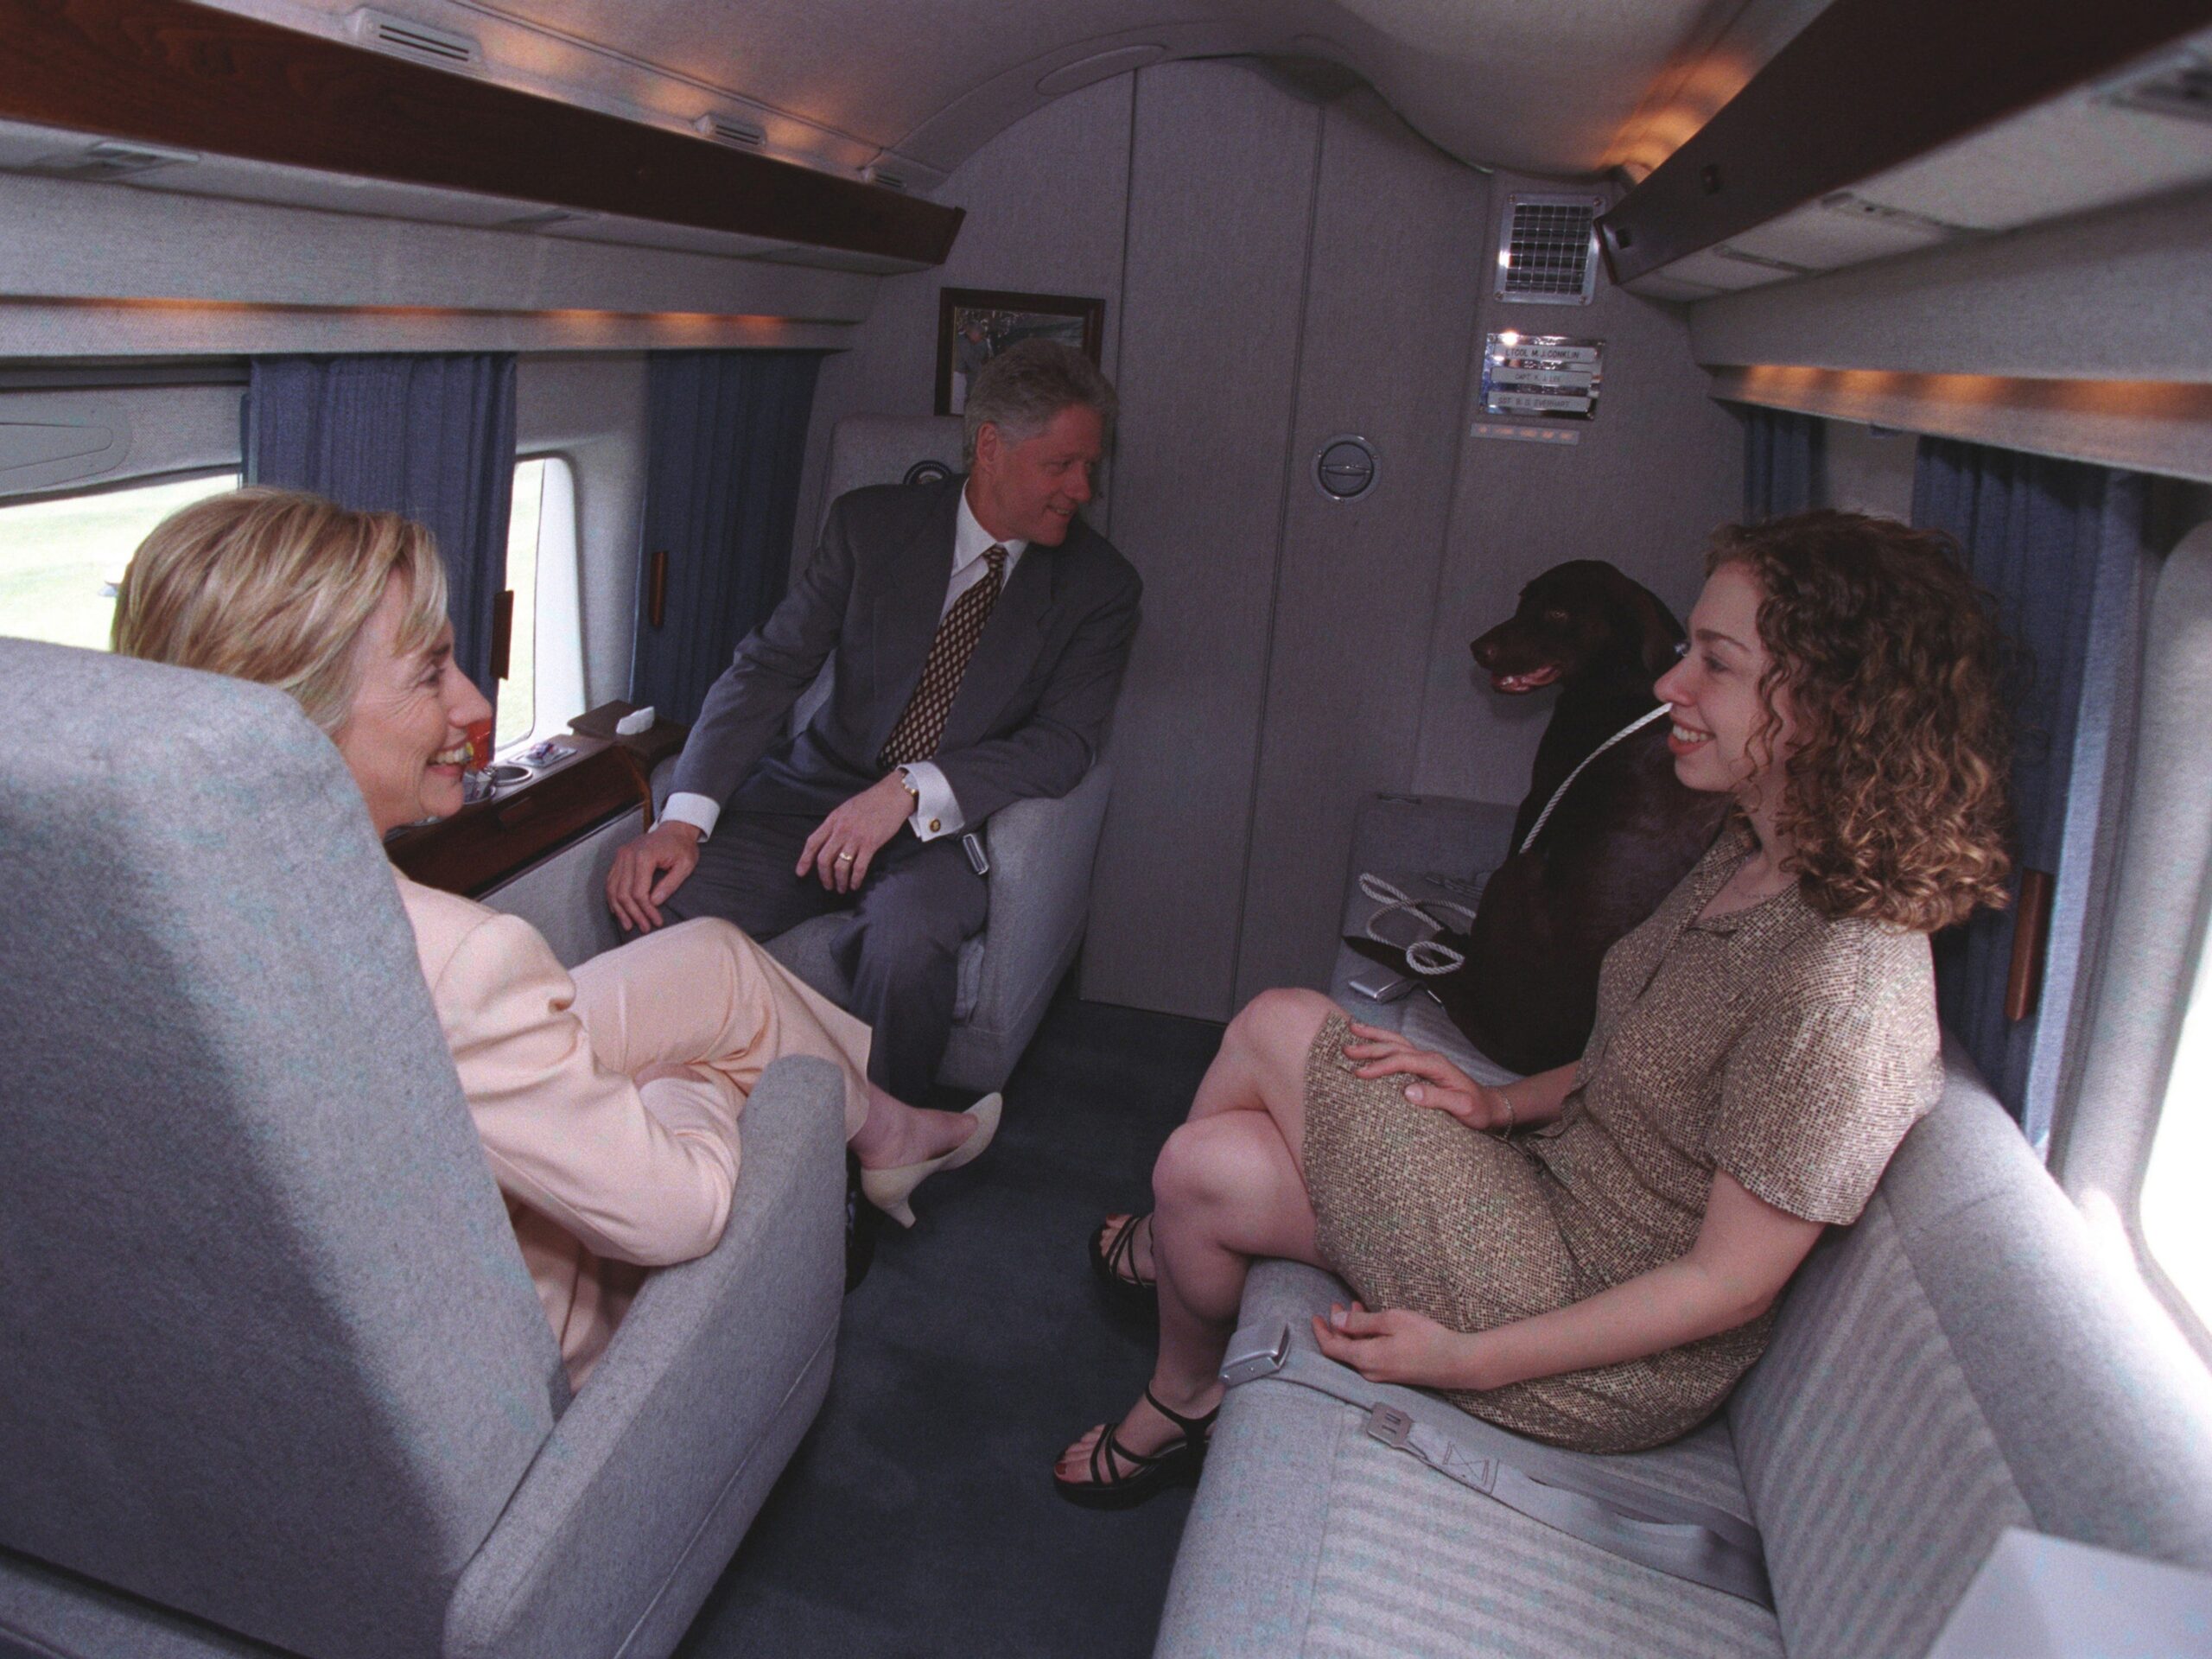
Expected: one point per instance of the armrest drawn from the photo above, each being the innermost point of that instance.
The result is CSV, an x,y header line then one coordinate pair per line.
x,y
1041,851
710,1353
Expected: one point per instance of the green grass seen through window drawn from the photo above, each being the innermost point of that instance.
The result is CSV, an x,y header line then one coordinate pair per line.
x,y
59,559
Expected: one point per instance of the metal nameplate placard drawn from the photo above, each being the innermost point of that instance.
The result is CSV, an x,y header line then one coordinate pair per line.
x,y
1550,376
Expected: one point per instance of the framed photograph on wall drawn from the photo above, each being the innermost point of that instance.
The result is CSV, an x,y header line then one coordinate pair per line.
x,y
974,324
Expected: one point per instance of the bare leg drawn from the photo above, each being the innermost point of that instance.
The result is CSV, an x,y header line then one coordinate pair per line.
x,y
894,1133
1228,1187
1260,1067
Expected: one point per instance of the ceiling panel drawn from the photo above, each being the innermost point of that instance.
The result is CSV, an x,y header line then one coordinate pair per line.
x,y
1555,88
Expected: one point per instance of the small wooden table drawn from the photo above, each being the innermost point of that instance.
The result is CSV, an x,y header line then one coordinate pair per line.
x,y
489,843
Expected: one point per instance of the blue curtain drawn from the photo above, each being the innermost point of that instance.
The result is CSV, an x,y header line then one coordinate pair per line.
x,y
1785,463
2063,548
726,439
430,436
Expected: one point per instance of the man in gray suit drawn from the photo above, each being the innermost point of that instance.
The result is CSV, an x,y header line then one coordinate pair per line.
x,y
978,630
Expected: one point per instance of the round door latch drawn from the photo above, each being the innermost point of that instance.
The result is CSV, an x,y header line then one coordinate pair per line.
x,y
927,472
1347,467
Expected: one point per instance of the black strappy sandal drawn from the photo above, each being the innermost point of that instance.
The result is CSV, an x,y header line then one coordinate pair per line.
x,y
1175,1465
1114,1265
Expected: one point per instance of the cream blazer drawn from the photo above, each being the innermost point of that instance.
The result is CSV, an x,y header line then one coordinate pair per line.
x,y
604,1177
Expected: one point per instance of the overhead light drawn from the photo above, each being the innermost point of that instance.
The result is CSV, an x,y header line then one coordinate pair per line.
x,y
2178,86
1722,250
545,218
1858,207
109,159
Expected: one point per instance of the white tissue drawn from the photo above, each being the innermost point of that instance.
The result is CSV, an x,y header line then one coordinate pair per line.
x,y
631,724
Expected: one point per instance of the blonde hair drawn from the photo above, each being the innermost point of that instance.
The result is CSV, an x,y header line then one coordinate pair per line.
x,y
276,586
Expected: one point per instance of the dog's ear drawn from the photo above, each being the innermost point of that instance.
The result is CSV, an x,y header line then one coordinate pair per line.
x,y
1658,634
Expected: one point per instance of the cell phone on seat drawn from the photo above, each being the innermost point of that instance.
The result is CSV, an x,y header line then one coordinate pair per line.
x,y
1381,985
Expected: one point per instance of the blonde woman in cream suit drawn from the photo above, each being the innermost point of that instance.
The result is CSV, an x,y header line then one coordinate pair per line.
x,y
608,1101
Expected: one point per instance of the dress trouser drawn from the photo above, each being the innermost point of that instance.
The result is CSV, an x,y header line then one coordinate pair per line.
x,y
900,948
702,997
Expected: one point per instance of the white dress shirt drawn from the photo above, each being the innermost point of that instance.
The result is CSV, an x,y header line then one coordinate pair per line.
x,y
937,812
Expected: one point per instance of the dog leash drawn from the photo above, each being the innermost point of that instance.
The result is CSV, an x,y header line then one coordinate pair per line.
x,y
1428,956
1422,956
1536,829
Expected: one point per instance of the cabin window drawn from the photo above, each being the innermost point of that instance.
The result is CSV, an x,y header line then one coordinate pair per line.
x,y
2176,1220
61,557
544,687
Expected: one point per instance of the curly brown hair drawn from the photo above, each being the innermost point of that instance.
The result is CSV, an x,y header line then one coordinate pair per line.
x,y
1893,796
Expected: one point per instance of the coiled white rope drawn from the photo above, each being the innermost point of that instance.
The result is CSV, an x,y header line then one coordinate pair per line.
x,y
1422,956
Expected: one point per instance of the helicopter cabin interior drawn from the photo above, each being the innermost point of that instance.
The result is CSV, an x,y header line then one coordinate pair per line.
x,y
1405,302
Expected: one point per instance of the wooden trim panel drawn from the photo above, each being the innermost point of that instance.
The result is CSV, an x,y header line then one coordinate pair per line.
x,y
481,846
191,77
1867,86
2031,942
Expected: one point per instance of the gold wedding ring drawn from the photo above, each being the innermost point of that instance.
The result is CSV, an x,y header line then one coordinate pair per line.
x,y
843,858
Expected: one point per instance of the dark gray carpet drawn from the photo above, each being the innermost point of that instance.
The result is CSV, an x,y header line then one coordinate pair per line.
x,y
918,1518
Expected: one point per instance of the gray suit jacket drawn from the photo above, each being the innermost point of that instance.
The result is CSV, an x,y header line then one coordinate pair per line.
x,y
1031,708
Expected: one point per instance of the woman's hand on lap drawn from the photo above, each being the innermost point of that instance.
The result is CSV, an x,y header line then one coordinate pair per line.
x,y
1395,1345
1437,1084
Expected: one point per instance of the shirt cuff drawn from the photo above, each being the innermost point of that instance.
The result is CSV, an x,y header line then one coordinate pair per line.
x,y
937,810
699,811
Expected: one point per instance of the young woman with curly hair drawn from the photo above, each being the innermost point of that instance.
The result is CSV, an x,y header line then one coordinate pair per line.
x,y
1590,1256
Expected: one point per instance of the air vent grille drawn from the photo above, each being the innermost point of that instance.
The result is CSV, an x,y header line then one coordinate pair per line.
x,y
409,39
731,130
1547,250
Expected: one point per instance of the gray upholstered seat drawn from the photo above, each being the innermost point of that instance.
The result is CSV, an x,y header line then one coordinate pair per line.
x,y
1961,1360
273,1370
1041,850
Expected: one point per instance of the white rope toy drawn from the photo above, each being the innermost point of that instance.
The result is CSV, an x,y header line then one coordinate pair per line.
x,y
1422,956
1536,829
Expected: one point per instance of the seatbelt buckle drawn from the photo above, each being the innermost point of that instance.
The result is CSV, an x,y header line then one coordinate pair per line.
x,y
1397,1430
1255,1352
1393,1428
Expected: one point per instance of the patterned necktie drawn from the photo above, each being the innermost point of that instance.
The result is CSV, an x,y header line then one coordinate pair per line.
x,y
915,737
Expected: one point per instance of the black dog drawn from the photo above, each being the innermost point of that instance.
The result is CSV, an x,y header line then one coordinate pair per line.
x,y
1614,846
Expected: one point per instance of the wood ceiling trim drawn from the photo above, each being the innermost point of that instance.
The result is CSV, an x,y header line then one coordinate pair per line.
x,y
192,77
1867,86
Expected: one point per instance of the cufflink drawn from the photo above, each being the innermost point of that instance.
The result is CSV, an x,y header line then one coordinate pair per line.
x,y
936,824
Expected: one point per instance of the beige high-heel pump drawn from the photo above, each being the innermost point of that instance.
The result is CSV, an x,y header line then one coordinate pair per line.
x,y
888,1189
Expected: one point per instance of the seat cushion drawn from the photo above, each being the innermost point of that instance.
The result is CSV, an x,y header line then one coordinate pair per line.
x,y
1307,1537
1961,1360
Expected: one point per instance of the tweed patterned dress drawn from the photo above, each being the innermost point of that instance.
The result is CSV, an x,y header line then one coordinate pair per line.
x,y
1792,1051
